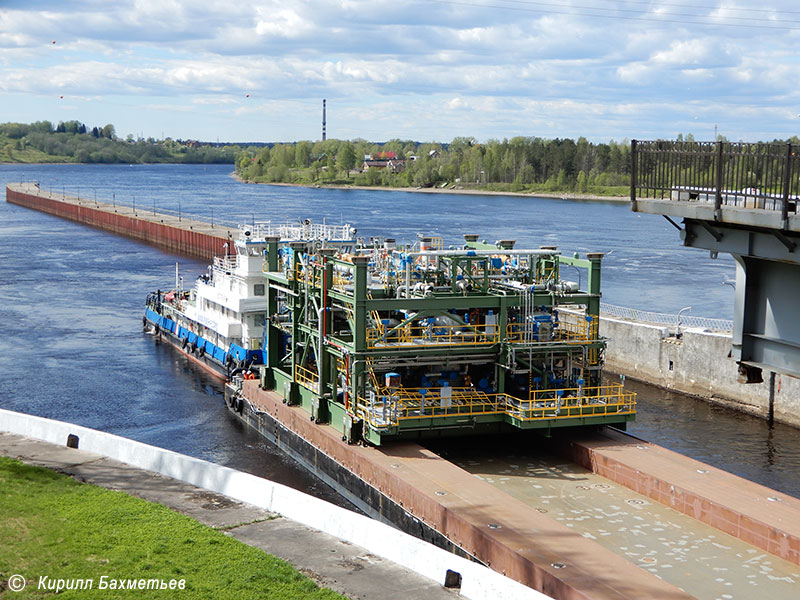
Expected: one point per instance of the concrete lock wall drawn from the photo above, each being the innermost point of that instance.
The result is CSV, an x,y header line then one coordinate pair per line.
x,y
477,582
698,364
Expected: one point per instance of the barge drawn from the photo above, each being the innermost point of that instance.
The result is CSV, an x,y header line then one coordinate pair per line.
x,y
386,342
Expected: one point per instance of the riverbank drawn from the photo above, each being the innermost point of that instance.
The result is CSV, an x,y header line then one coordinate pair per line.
x,y
454,189
99,537
339,549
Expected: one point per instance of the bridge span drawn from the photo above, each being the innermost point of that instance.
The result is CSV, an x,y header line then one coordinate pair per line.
x,y
741,199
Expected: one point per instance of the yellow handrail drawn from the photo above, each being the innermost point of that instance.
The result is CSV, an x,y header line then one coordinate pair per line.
x,y
396,404
415,335
567,330
307,378
573,402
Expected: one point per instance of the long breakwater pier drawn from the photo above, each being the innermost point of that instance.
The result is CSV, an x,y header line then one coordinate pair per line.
x,y
603,516
169,231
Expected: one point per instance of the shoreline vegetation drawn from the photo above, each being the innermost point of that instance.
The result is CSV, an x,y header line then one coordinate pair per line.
x,y
75,142
455,189
520,166
524,166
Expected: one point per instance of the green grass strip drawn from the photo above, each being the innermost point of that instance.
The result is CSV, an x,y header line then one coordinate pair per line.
x,y
54,526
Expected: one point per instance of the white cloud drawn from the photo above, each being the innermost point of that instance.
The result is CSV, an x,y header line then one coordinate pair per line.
x,y
684,52
283,23
435,70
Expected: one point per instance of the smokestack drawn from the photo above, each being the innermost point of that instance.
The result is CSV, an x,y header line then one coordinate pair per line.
x,y
323,120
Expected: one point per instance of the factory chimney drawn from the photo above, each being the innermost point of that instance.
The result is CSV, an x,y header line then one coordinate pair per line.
x,y
323,120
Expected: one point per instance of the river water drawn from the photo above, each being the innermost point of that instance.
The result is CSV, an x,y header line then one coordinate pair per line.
x,y
71,299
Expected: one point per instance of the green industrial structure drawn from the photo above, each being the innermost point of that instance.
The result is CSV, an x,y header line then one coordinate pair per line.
x,y
386,342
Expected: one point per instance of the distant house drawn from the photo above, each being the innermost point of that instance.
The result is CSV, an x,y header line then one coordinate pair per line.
x,y
395,165
372,164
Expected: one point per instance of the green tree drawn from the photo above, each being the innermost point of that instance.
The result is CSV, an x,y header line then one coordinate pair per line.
x,y
582,184
346,158
302,154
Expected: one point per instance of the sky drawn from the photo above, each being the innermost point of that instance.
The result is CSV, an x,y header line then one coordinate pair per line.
x,y
257,70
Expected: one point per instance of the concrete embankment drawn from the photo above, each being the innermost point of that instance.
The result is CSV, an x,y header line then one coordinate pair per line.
x,y
169,232
351,553
696,363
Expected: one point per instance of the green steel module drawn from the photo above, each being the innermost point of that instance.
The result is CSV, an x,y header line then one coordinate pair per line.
x,y
388,343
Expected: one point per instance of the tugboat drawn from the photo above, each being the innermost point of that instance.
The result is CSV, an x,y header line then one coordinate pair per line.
x,y
219,324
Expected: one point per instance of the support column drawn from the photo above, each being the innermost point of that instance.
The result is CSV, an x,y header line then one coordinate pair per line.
x,y
360,322
272,334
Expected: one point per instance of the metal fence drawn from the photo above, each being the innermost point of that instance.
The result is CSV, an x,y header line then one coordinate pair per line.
x,y
142,205
666,318
765,176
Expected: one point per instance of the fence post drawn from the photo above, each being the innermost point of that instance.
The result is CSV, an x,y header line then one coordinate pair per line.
x,y
634,173
787,167
718,184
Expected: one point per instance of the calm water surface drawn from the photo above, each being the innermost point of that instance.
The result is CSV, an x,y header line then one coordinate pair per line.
x,y
646,266
71,299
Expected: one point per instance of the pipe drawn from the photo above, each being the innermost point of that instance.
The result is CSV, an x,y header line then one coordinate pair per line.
x,y
771,410
493,252
321,323
408,278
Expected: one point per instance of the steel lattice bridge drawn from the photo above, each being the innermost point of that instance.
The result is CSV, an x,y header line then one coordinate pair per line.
x,y
742,199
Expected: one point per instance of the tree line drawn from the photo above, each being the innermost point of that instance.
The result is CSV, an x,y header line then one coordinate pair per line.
x,y
516,164
73,141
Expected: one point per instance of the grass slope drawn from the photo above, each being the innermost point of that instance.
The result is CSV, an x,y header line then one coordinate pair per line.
x,y
52,525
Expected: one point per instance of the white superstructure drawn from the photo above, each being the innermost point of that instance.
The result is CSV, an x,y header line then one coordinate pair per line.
x,y
222,318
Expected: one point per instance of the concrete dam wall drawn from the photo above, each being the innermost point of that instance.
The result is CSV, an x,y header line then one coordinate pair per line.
x,y
696,363
166,231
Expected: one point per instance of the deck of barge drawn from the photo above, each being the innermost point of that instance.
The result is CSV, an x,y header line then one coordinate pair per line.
x,y
534,530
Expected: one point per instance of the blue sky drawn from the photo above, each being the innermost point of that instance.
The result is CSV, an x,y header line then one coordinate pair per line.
x,y
247,70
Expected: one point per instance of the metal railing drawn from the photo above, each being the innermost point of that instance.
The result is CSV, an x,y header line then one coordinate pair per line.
x,y
666,318
226,263
765,176
416,335
571,328
569,403
305,230
391,406
307,378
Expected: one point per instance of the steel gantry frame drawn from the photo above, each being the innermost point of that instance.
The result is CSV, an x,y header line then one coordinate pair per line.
x,y
394,343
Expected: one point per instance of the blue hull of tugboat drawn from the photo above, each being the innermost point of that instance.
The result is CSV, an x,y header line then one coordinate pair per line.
x,y
219,360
